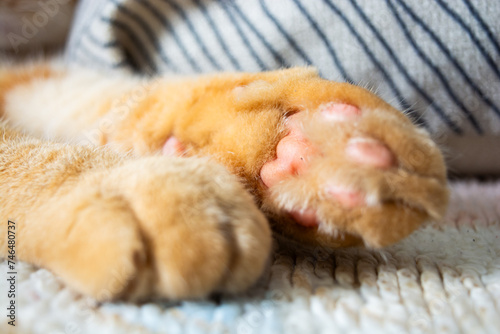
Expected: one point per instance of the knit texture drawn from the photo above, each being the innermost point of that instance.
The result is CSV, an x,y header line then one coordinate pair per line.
x,y
444,278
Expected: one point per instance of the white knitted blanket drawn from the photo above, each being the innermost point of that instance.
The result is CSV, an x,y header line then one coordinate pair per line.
x,y
444,278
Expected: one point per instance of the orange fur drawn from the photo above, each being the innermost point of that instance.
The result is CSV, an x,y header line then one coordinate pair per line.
x,y
185,224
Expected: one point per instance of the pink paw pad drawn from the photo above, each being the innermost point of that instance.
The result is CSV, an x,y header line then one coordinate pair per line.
x,y
292,155
339,112
370,152
305,218
348,198
173,147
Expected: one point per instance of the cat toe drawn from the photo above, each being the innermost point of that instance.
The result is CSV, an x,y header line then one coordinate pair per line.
x,y
348,198
367,151
173,147
293,154
339,112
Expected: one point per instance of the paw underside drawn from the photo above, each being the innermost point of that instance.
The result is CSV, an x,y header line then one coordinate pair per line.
x,y
360,176
347,174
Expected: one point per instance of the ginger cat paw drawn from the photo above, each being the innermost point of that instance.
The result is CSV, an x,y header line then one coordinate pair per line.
x,y
330,163
159,228
343,171
348,166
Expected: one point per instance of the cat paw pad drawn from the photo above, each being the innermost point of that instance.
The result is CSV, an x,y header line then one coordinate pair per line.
x,y
339,112
173,147
371,152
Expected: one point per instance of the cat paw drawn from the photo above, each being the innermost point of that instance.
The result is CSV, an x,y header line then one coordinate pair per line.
x,y
347,168
162,228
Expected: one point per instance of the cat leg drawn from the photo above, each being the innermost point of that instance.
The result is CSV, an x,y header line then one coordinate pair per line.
x,y
329,162
116,227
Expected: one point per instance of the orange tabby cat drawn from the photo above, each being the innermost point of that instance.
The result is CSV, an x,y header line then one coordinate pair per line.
x,y
155,214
